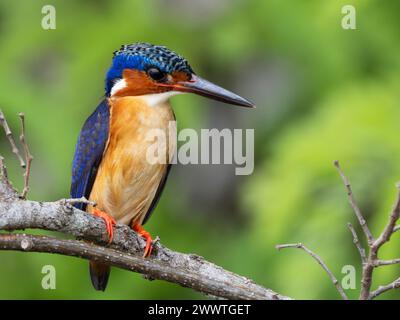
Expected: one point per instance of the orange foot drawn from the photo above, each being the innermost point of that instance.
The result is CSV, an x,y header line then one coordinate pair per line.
x,y
108,220
149,247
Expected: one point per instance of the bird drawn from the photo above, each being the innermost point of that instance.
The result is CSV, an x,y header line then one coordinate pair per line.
x,y
109,166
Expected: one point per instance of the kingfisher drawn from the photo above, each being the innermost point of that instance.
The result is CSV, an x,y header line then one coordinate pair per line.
x,y
110,166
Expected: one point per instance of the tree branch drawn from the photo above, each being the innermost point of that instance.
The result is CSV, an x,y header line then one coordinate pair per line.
x,y
320,262
372,261
386,262
210,279
369,261
125,251
352,201
382,289
391,224
28,157
10,137
357,243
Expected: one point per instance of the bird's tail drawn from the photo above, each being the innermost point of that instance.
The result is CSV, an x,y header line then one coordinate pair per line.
x,y
99,274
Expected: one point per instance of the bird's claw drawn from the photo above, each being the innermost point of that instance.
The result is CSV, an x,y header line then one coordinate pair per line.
x,y
149,242
108,220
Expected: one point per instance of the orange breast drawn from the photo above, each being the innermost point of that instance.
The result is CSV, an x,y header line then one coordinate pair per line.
x,y
126,182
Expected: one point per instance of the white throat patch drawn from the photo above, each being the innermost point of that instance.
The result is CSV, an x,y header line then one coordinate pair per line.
x,y
154,99
119,85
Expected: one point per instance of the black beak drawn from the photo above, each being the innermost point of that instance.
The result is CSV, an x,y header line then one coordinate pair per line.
x,y
207,89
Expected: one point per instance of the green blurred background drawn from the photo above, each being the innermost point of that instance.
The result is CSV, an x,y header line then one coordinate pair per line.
x,y
322,93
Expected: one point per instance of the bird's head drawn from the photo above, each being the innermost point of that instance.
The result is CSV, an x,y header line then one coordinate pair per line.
x,y
143,69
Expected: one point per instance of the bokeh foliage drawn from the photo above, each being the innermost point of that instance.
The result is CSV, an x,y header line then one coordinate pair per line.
x,y
322,93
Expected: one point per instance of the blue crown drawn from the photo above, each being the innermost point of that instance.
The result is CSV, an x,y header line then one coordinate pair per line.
x,y
141,56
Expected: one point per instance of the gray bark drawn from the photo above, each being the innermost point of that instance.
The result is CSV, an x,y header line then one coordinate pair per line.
x,y
125,251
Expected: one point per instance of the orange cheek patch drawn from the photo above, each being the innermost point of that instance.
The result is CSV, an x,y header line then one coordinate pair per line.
x,y
138,83
180,76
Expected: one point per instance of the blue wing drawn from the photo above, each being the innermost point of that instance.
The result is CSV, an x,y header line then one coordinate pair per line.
x,y
89,152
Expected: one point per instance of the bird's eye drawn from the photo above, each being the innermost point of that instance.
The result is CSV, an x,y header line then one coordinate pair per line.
x,y
156,74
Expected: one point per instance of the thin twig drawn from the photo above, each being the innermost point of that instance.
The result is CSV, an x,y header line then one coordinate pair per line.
x,y
10,137
28,157
381,289
9,189
378,263
354,205
3,170
368,263
391,224
320,262
357,243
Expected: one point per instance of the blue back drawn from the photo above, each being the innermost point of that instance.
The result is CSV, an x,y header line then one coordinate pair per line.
x,y
89,152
